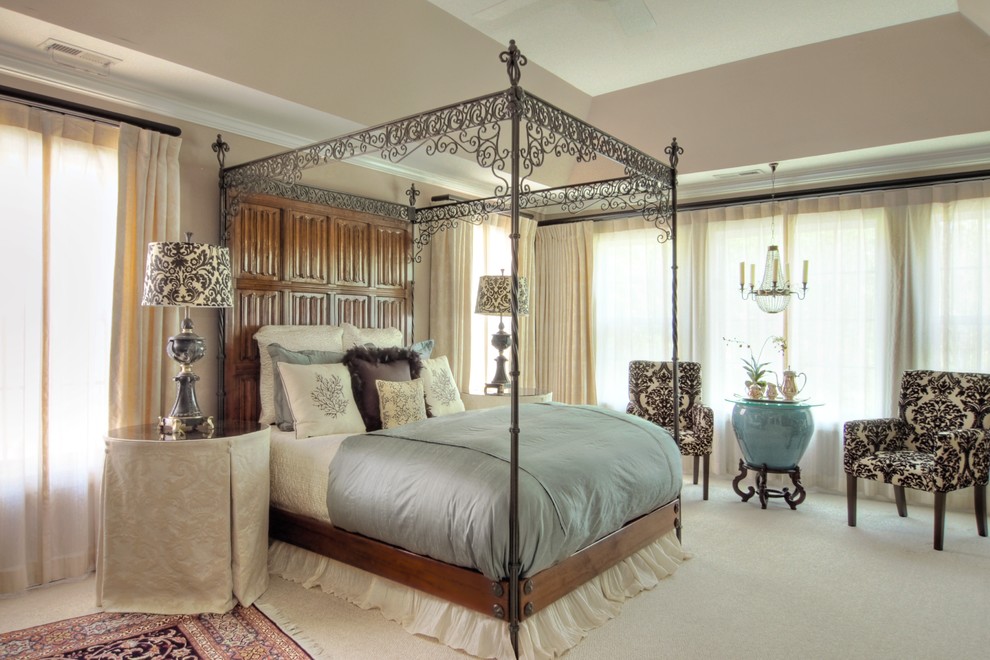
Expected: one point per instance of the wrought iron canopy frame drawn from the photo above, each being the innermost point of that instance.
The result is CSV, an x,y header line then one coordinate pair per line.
x,y
510,133
476,128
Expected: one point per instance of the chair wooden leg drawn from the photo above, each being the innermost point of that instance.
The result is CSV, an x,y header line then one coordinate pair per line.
x,y
696,469
980,504
901,501
851,499
939,519
704,477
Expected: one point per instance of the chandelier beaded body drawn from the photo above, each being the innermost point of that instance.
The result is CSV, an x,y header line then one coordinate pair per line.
x,y
774,292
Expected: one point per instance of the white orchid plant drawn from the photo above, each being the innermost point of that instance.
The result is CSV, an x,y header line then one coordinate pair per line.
x,y
754,367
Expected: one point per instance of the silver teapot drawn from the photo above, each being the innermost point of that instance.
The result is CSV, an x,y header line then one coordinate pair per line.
x,y
789,388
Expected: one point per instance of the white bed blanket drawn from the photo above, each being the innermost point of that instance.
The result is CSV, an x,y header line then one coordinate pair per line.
x,y
300,469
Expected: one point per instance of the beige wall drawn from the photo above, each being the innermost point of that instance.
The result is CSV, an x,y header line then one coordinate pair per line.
x,y
907,83
199,213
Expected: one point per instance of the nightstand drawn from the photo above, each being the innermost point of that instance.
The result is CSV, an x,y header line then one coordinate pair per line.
x,y
475,401
183,523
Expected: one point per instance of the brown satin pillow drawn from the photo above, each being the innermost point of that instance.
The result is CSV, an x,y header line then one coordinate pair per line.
x,y
369,365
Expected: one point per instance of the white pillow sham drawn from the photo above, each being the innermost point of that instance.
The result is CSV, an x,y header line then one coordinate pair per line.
x,y
295,338
438,384
380,337
321,399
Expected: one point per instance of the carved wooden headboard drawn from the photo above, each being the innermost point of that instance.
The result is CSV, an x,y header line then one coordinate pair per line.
x,y
298,263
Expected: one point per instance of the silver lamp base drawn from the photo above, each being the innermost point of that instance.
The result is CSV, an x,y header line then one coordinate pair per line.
x,y
185,348
501,340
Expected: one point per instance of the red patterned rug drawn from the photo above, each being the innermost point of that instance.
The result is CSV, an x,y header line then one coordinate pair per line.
x,y
244,633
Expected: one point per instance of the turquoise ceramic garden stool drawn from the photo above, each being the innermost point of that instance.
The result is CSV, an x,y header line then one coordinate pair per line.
x,y
773,436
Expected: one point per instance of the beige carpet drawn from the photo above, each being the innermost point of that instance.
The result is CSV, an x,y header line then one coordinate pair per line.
x,y
769,583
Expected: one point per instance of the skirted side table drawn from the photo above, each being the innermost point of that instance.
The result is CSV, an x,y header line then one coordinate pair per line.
x,y
184,523
773,436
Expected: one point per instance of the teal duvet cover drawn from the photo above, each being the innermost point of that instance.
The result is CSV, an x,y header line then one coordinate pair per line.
x,y
440,487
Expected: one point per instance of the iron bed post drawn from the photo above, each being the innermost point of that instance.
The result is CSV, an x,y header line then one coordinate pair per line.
x,y
674,151
220,148
514,60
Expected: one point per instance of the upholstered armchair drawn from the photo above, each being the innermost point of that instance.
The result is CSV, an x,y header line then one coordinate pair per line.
x,y
651,396
939,443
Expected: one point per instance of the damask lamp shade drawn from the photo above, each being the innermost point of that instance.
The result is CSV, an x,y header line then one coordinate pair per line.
x,y
186,274
495,299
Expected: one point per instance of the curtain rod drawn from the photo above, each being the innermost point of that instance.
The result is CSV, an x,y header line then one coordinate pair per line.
x,y
891,184
85,111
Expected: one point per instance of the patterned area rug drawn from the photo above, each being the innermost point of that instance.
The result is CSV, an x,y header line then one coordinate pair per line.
x,y
243,633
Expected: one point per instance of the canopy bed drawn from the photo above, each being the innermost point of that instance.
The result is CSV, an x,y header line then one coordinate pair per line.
x,y
304,255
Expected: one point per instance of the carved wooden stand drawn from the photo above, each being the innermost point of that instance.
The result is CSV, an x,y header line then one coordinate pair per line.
x,y
792,499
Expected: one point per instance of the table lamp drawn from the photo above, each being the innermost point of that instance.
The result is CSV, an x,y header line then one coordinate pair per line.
x,y
186,274
494,299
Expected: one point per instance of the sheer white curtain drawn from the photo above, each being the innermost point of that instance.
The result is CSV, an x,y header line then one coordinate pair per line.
x,y
58,198
898,280
632,289
955,331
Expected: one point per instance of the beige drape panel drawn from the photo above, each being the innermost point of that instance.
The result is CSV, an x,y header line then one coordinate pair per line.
x,y
57,203
565,332
450,299
528,335
148,210
459,256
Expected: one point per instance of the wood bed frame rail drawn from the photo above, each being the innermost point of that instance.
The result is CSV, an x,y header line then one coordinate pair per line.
x,y
467,587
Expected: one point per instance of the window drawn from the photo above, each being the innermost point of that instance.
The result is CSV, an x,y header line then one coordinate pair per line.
x,y
58,200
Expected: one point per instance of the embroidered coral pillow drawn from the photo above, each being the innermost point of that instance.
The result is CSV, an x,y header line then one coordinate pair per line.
x,y
278,353
442,395
295,338
400,402
321,399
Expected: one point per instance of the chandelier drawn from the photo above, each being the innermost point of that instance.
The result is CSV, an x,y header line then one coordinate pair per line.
x,y
774,292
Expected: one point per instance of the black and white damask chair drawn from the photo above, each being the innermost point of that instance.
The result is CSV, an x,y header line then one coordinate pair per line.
x,y
651,396
940,443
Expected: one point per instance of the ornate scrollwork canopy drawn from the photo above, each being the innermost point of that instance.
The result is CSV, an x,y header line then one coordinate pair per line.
x,y
477,128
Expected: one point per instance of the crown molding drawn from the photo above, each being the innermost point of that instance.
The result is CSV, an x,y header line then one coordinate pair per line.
x,y
253,114
961,153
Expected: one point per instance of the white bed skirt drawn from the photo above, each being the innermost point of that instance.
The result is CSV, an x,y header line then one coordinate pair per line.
x,y
547,634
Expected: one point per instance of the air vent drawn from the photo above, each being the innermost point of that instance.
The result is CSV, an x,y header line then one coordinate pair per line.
x,y
78,58
740,173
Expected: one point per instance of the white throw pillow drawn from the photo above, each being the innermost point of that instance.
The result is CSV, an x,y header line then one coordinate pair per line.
x,y
438,384
321,399
294,338
400,402
380,337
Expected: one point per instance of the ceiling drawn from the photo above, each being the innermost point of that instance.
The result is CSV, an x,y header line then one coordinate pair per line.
x,y
269,71
639,41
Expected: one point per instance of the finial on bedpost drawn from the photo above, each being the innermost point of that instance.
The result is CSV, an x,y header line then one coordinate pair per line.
x,y
220,148
674,151
412,194
514,59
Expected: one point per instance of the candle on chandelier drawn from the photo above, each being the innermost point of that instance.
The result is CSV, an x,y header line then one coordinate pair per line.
x,y
787,274
752,275
742,273
804,276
